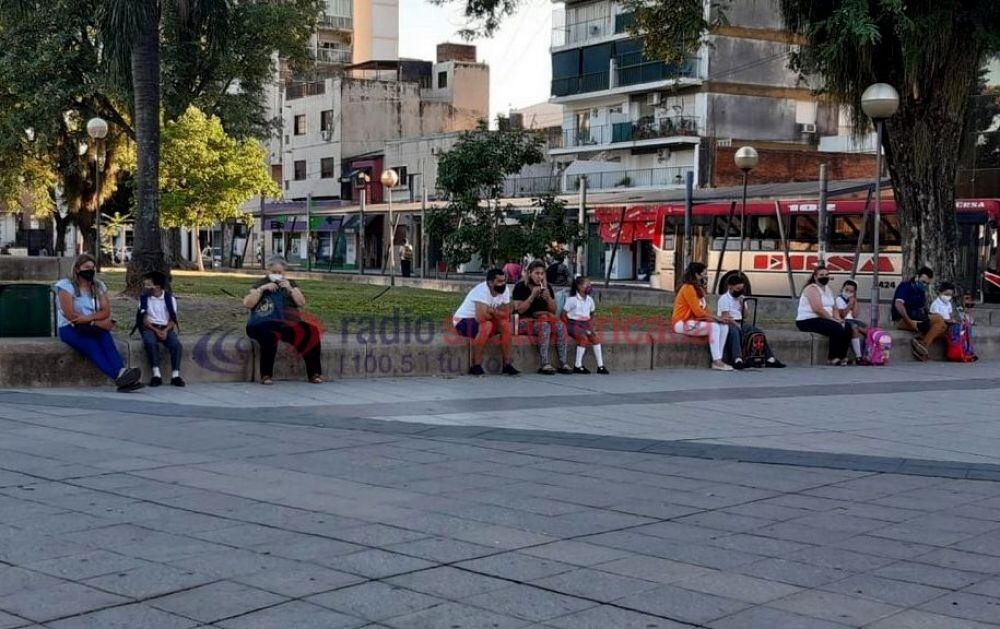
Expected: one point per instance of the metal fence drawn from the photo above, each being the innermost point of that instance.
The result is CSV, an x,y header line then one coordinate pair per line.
x,y
632,178
630,131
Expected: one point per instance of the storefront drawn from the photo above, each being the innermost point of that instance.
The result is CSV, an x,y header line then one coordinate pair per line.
x,y
634,231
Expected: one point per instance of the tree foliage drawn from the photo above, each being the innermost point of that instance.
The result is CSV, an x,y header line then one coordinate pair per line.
x,y
206,175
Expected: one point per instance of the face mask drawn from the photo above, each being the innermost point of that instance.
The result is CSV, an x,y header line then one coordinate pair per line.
x,y
737,293
847,296
823,281
589,290
921,285
275,277
499,288
88,275
946,298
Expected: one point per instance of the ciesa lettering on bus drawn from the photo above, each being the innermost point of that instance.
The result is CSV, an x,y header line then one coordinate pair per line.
x,y
807,262
810,207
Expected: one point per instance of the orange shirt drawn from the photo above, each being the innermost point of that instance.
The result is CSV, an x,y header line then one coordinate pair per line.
x,y
687,305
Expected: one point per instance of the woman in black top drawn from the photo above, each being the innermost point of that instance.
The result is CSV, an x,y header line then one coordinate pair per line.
x,y
535,304
274,303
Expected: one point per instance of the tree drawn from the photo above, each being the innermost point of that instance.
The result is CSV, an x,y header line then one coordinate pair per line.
x,y
931,50
207,175
472,174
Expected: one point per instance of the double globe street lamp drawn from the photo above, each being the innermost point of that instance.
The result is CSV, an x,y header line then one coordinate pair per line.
x,y
879,102
746,159
97,129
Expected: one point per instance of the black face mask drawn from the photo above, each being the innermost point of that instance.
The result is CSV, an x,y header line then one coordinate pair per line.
x,y
499,288
823,281
737,293
88,275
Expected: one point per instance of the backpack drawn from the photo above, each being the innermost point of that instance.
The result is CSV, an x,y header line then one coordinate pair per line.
x,y
755,350
140,314
960,348
878,347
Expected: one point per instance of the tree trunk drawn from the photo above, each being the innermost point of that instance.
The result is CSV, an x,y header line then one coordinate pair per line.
x,y
62,223
199,259
147,250
171,239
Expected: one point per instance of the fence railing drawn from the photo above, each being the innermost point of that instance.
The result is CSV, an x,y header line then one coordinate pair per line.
x,y
301,90
631,131
583,31
339,56
631,178
651,71
530,186
336,21
582,84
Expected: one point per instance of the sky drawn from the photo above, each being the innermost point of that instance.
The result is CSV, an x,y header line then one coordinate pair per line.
x,y
518,55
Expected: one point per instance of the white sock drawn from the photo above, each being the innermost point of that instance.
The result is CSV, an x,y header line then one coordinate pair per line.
x,y
175,374
121,371
599,355
580,351
156,372
856,346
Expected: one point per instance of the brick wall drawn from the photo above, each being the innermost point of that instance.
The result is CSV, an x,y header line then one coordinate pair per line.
x,y
784,165
456,52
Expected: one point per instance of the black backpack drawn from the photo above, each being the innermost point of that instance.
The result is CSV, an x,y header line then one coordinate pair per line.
x,y
754,344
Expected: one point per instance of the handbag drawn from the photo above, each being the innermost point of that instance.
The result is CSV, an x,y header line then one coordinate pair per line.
x,y
271,307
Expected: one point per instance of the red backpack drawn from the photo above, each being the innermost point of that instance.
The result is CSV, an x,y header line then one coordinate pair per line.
x,y
960,348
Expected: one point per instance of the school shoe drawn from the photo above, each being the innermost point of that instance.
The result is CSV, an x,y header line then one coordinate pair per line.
x,y
918,347
178,382
581,370
547,370
603,371
721,367
155,381
509,370
774,364
566,370
128,377
739,365
476,370
128,388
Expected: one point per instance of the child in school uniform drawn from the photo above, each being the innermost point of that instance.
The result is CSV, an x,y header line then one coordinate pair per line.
x,y
579,309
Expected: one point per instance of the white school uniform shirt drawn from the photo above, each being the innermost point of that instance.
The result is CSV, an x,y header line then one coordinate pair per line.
x,y
732,305
579,308
480,294
943,308
841,304
805,309
156,309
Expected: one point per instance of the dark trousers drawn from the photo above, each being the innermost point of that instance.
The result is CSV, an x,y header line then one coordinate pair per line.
x,y
152,346
301,335
96,345
737,332
839,335
407,267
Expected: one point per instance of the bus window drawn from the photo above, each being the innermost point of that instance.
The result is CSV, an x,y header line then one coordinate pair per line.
x,y
802,233
844,233
672,228
719,231
764,233
888,234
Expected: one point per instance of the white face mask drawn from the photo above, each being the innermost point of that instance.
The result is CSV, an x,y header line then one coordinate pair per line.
x,y
946,298
275,277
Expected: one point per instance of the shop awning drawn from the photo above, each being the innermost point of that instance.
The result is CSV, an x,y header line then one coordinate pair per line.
x,y
639,223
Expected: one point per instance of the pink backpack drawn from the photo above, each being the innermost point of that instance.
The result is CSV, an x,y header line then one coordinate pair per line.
x,y
878,346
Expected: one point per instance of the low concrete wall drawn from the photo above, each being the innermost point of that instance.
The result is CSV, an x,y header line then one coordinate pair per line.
x,y
34,268
230,357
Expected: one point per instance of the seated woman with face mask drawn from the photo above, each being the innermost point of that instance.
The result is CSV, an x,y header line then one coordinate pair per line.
x,y
274,302
817,314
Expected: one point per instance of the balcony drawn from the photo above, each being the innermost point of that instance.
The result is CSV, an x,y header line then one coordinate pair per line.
x,y
514,187
336,22
625,179
588,31
599,138
303,90
583,84
622,76
335,56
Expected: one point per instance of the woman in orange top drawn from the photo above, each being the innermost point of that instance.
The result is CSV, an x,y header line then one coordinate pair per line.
x,y
691,317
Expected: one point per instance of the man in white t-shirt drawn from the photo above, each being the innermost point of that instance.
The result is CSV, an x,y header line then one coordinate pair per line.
x,y
485,313
731,309
157,323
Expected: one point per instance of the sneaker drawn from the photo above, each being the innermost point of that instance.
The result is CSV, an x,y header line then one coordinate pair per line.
x,y
581,370
721,366
566,370
128,388
128,377
177,382
918,347
155,381
547,370
476,370
774,364
739,365
603,370
509,370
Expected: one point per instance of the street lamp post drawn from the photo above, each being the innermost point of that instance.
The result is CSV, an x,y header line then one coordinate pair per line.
x,y
389,180
879,102
746,160
362,185
97,129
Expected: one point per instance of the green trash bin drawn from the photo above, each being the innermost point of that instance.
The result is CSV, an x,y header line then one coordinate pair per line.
x,y
25,310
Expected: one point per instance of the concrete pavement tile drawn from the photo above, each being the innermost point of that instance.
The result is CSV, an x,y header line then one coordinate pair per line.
x,y
125,617
448,582
149,581
682,605
576,553
915,619
304,547
986,544
793,572
771,618
594,584
233,563
929,575
216,601
959,560
375,601
442,550
868,545
14,579
757,545
529,603
301,580
737,586
455,615
606,617
653,569
967,606
13,622
379,535
86,565
899,593
293,615
989,587
516,566
838,558
374,563
65,599
849,610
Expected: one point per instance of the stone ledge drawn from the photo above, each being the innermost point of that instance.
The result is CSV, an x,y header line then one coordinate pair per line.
x,y
231,357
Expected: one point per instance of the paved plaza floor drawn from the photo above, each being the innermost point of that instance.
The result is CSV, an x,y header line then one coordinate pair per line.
x,y
813,498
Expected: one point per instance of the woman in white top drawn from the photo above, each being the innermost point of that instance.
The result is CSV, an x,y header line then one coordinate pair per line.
x,y
846,307
579,309
817,315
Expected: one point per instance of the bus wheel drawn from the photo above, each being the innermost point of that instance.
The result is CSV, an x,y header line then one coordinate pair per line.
x,y
723,286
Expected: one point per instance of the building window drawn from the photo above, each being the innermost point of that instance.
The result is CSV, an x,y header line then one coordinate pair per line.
x,y
300,170
442,80
326,168
326,120
300,124
401,171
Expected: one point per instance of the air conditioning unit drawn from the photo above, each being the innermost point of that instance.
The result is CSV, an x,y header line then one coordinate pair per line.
x,y
807,127
663,156
327,135
724,142
435,150
595,30
654,98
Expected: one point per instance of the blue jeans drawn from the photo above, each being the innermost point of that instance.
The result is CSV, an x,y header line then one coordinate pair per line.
x,y
152,346
99,348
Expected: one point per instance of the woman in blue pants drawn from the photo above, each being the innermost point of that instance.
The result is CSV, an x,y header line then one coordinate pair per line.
x,y
84,317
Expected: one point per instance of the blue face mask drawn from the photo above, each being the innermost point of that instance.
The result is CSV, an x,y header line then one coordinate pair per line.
x,y
921,284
